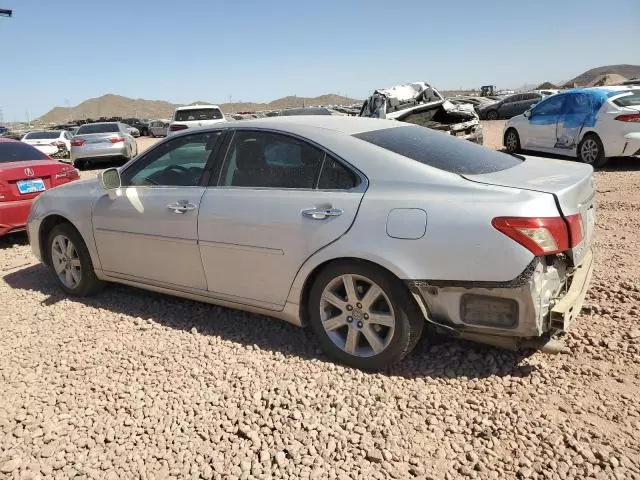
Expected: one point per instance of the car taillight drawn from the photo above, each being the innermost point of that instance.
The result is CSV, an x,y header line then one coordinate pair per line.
x,y
629,117
176,126
77,143
70,173
116,139
542,236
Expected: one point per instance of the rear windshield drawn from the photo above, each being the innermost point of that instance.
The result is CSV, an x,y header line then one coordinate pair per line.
x,y
440,151
41,135
627,100
198,114
97,128
304,111
19,152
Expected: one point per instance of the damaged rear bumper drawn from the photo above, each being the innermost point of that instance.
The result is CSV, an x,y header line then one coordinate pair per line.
x,y
525,312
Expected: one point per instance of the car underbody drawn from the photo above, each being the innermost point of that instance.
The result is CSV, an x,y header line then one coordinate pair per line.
x,y
420,104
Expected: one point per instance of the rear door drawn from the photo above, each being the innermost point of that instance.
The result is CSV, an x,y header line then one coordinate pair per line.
x,y
148,229
278,200
508,106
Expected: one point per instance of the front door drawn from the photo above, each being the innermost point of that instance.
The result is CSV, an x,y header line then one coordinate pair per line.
x,y
277,202
543,122
148,229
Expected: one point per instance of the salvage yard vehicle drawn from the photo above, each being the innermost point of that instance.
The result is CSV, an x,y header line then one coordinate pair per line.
x,y
195,116
137,123
365,230
25,172
509,106
590,124
54,143
158,128
420,104
102,142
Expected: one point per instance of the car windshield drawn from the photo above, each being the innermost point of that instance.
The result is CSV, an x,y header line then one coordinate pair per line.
x,y
628,99
19,152
97,128
440,151
41,135
198,114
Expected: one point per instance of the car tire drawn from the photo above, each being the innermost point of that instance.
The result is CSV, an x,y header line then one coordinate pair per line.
x,y
511,141
80,164
591,151
492,115
69,258
352,329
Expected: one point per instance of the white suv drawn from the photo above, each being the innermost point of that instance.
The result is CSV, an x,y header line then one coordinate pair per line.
x,y
195,116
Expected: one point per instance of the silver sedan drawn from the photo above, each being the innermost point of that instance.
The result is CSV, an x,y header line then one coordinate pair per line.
x,y
102,142
368,231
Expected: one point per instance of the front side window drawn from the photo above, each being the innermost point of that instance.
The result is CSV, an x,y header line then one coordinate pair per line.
x,y
179,162
551,106
270,160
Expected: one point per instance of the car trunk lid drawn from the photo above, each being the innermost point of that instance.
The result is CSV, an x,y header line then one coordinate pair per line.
x,y
25,180
570,183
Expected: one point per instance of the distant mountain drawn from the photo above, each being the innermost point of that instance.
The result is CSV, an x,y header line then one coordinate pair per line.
x,y
593,76
111,105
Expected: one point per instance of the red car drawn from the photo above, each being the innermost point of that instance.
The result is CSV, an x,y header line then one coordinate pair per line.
x,y
25,172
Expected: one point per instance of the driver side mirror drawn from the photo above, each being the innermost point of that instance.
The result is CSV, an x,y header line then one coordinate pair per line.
x,y
527,114
110,179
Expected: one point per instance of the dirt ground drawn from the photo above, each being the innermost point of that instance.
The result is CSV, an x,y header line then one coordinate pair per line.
x,y
130,384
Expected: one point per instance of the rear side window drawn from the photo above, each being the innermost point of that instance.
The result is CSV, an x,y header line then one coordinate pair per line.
x,y
627,100
440,151
19,152
97,128
335,176
195,114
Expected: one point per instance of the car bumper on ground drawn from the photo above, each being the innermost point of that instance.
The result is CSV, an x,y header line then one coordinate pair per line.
x,y
13,216
541,302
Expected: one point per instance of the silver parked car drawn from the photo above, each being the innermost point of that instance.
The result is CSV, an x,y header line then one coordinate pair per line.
x,y
100,142
158,128
364,229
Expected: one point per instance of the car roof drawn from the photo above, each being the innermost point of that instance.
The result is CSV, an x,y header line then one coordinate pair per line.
x,y
299,124
196,107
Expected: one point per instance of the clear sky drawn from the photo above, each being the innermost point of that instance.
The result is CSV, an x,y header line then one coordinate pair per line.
x,y
54,52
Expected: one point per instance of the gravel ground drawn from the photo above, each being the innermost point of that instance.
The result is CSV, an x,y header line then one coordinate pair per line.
x,y
130,384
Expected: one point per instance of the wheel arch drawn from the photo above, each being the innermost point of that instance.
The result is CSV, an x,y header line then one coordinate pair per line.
x,y
47,224
303,297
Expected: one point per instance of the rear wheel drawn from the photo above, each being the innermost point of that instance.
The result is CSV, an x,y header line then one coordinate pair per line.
x,y
512,141
363,316
591,151
492,115
71,262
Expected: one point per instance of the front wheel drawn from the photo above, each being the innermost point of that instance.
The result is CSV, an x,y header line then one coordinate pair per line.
x,y
363,316
512,141
70,260
591,151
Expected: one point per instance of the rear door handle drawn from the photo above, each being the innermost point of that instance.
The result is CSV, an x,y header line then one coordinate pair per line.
x,y
321,213
181,206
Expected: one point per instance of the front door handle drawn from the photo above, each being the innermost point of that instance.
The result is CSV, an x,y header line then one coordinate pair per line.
x,y
321,213
181,206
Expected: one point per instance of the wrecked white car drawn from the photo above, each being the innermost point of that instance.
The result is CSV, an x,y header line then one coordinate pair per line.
x,y
421,104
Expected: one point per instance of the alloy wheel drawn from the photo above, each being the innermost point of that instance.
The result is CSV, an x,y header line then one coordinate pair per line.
x,y
589,151
511,142
357,315
66,261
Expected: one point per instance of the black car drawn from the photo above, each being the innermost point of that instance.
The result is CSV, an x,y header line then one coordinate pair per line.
x,y
509,106
143,127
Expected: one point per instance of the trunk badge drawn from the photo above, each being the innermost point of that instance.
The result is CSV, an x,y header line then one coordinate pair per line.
x,y
29,172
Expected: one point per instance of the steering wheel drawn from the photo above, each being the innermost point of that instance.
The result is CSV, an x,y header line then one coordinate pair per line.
x,y
178,168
